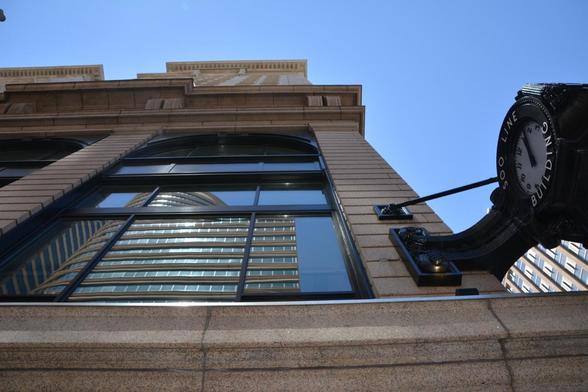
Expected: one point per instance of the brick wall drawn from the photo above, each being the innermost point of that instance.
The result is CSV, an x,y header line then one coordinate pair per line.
x,y
362,178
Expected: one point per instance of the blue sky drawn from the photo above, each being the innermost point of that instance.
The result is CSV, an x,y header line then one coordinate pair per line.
x,y
437,76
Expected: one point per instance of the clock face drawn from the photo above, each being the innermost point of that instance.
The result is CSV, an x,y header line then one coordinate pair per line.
x,y
530,157
526,152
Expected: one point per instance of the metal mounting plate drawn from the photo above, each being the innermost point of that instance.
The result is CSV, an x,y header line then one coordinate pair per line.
x,y
423,278
384,213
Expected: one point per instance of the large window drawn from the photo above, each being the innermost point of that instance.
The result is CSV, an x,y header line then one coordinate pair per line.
x,y
246,218
19,157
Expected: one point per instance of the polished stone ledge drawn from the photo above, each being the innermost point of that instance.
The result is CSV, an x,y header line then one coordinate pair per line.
x,y
500,342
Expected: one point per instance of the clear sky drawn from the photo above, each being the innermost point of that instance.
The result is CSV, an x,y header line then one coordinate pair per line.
x,y
437,76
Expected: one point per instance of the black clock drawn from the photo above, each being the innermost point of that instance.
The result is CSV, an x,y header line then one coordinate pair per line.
x,y
542,169
527,152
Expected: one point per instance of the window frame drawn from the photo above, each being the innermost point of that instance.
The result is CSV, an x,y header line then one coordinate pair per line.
x,y
355,272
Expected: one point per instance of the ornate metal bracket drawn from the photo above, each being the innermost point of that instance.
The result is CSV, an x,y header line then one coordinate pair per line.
x,y
428,268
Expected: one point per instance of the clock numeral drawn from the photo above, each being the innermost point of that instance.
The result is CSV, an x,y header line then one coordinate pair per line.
x,y
523,177
528,186
519,151
519,165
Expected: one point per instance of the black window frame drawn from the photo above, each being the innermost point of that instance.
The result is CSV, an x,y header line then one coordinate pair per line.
x,y
128,215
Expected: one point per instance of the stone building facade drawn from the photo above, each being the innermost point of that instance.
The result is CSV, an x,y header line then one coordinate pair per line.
x,y
358,323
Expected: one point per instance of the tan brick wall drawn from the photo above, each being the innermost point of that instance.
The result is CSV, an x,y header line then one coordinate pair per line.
x,y
362,178
23,198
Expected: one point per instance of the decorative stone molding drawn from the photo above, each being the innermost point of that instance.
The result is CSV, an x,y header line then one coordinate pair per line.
x,y
283,66
71,70
18,108
332,100
314,100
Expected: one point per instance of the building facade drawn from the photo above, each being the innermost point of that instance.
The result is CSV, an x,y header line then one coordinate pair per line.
x,y
245,194
561,269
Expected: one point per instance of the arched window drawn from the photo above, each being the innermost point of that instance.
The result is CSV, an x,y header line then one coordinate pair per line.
x,y
232,218
226,146
226,154
19,157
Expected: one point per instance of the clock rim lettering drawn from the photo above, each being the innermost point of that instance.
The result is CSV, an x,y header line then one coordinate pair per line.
x,y
523,111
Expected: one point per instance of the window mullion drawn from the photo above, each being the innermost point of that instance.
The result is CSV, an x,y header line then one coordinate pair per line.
x,y
151,196
67,292
246,253
256,199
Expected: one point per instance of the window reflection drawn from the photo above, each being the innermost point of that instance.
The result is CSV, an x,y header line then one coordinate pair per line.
x,y
167,255
291,166
144,169
199,258
56,258
236,167
295,255
206,146
204,197
17,171
217,167
292,196
117,198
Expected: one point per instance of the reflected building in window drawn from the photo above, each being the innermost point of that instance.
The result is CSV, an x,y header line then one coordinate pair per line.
x,y
183,259
45,265
208,258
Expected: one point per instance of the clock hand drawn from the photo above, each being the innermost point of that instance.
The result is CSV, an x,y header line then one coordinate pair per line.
x,y
529,151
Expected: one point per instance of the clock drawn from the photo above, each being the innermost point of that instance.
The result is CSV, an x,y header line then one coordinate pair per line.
x,y
527,152
542,197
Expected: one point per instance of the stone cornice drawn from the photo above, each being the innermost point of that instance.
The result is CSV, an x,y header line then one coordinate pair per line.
x,y
225,117
173,127
283,66
178,82
69,70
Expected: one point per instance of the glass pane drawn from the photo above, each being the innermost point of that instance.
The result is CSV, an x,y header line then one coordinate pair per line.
x,y
228,149
291,166
174,152
116,198
244,167
183,259
204,196
24,154
224,146
292,196
18,171
217,167
144,169
287,150
120,199
51,262
296,255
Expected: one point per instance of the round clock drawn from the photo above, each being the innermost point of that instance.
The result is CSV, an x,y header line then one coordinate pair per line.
x,y
526,154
